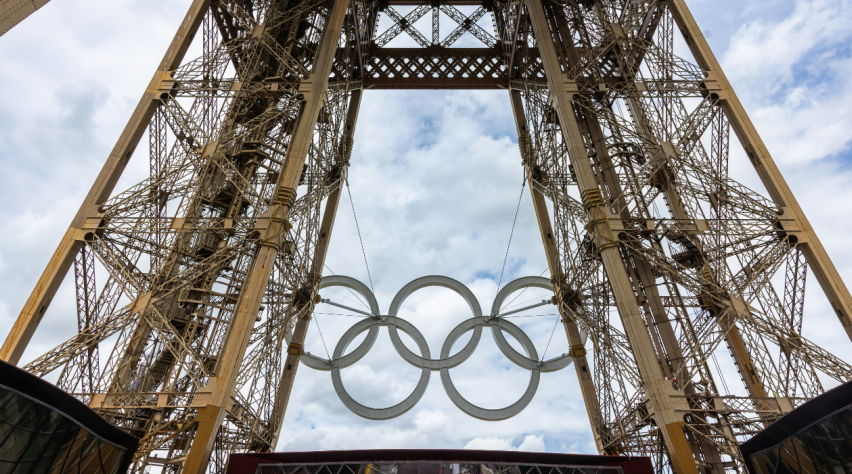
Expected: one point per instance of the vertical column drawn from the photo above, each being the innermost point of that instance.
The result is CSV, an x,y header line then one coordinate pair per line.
x,y
825,271
659,392
641,274
297,342
60,262
578,351
210,417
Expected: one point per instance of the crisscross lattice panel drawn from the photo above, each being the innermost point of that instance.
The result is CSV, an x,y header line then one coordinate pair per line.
x,y
435,68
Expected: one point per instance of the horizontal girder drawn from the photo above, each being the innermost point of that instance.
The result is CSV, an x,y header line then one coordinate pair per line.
x,y
435,68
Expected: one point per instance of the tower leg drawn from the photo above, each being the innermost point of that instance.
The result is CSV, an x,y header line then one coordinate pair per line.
x,y
211,417
38,302
829,279
294,352
12,13
658,391
584,375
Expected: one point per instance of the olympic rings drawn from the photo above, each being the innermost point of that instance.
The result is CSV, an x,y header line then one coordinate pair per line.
x,y
423,360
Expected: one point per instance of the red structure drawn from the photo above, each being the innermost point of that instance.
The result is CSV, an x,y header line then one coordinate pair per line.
x,y
434,461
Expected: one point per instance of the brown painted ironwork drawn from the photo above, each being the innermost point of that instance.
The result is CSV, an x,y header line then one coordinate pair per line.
x,y
666,261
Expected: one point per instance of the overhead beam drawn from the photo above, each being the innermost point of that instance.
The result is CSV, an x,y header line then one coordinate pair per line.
x,y
435,67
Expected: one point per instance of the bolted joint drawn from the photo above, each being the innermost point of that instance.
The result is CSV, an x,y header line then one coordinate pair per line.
x,y
558,279
166,85
344,150
616,31
527,155
569,297
603,235
272,234
285,196
599,227
314,278
303,296
607,245
296,349
705,301
592,198
577,351
538,174
271,244
333,175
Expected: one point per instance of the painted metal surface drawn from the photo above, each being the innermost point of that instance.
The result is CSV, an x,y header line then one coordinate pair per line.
x,y
343,358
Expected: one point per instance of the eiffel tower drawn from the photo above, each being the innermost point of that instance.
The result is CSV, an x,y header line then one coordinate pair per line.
x,y
658,254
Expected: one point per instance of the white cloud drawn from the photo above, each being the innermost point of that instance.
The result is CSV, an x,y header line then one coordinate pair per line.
x,y
769,52
794,77
435,177
531,443
497,444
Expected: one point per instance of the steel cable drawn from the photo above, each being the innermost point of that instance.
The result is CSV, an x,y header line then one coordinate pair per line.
x,y
363,252
512,233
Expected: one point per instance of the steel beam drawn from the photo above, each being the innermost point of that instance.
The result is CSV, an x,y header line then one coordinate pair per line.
x,y
295,351
13,12
38,302
211,416
435,67
666,409
817,257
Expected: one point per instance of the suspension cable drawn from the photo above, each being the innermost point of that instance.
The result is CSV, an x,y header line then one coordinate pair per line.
x,y
322,338
524,290
356,295
512,233
363,252
551,338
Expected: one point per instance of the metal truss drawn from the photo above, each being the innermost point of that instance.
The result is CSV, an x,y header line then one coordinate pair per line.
x,y
434,67
665,260
210,260
193,279
464,24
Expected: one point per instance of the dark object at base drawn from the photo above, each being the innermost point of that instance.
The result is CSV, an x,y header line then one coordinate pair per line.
x,y
45,430
434,461
814,438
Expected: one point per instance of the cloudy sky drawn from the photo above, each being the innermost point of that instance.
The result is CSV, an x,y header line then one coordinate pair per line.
x,y
435,180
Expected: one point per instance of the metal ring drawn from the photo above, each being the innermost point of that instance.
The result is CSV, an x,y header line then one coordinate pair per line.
x,y
488,414
350,403
550,365
424,360
424,282
318,363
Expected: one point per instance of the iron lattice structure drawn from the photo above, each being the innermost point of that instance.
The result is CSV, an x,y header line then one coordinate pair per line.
x,y
665,260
